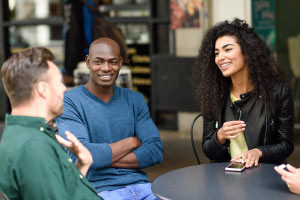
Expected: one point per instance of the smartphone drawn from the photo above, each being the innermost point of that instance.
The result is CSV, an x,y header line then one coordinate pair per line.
x,y
235,167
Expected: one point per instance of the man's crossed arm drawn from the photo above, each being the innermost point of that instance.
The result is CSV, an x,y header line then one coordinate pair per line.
x,y
122,155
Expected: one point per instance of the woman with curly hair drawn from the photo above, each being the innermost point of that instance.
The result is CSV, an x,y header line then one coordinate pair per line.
x,y
246,102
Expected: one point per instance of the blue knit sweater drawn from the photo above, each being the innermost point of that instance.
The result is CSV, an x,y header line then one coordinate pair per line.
x,y
97,124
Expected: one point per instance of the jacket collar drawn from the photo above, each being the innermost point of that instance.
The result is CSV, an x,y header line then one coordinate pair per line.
x,y
244,98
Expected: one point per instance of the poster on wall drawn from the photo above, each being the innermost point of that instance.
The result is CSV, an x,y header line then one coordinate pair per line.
x,y
263,20
185,13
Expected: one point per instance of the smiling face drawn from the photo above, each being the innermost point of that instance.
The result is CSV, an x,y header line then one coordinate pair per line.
x,y
104,62
229,57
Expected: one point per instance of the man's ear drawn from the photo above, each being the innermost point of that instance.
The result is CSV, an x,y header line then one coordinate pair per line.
x,y
87,61
42,89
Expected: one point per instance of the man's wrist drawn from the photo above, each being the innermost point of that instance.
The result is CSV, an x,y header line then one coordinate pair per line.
x,y
83,168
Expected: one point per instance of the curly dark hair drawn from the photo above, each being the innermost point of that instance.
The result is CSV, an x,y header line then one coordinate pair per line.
x,y
211,87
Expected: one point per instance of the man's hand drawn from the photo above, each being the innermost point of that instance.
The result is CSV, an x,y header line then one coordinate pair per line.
x,y
230,130
84,156
291,177
251,157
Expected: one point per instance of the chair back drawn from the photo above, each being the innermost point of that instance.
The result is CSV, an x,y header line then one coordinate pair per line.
x,y
192,138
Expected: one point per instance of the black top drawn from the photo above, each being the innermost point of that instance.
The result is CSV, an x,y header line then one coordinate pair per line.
x,y
270,125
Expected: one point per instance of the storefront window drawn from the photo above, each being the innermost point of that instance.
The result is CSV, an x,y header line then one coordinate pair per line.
x,y
41,35
30,9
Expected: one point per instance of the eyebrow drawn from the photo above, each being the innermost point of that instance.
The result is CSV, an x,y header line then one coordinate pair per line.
x,y
226,45
99,58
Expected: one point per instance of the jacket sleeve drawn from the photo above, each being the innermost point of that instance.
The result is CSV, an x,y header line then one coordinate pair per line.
x,y
72,121
283,134
211,148
151,150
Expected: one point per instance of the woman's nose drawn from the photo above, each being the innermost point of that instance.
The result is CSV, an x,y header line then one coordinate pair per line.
x,y
221,56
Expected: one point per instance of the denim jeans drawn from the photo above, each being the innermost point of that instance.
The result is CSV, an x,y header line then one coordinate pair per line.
x,y
130,192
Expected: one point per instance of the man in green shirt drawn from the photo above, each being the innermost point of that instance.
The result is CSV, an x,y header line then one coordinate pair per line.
x,y
33,165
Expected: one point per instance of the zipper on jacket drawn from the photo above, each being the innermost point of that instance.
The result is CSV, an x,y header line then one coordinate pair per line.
x,y
239,111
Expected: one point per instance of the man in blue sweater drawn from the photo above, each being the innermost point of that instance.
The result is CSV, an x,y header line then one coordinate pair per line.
x,y
115,125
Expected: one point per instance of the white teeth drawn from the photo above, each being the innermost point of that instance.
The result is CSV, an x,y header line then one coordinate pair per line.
x,y
105,76
224,65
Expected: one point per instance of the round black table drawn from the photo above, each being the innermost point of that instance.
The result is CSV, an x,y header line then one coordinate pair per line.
x,y
210,181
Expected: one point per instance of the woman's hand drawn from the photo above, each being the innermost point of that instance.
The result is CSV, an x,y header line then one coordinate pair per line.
x,y
251,157
230,130
84,156
291,177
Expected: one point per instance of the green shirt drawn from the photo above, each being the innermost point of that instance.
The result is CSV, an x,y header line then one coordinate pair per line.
x,y
33,165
